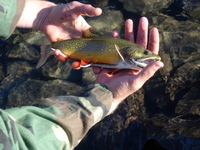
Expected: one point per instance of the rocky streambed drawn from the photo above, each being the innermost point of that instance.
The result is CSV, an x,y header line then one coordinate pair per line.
x,y
164,114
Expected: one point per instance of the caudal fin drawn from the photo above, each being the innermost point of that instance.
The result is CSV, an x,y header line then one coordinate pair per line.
x,y
45,53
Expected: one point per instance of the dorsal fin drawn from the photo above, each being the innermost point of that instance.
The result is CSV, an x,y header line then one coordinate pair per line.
x,y
91,33
118,51
59,39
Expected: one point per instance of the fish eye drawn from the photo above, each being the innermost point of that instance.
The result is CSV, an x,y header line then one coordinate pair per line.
x,y
146,52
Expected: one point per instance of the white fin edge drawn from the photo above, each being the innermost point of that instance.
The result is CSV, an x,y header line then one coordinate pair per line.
x,y
118,51
85,66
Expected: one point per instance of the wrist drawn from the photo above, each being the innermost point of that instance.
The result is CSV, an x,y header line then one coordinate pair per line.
x,y
34,13
100,96
113,107
115,101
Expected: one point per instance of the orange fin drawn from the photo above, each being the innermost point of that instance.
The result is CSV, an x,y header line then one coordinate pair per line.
x,y
85,63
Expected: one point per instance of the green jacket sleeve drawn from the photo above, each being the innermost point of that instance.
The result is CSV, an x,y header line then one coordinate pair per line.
x,y
54,123
10,12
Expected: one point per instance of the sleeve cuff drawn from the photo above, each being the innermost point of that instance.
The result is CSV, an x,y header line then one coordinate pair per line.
x,y
98,95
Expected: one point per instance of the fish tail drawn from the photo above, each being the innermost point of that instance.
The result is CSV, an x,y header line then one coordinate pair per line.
x,y
45,53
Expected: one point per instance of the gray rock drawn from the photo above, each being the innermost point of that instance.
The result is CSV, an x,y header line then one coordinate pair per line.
x,y
193,9
107,22
31,91
144,7
190,103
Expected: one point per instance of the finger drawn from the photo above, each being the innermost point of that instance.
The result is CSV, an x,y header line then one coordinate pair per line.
x,y
103,76
154,40
60,56
76,65
142,33
84,9
146,73
108,71
129,30
96,70
115,34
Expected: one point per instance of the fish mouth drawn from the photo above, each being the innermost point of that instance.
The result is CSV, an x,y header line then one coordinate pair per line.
x,y
143,62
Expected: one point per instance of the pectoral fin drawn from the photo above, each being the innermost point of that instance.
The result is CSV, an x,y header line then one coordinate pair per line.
x,y
118,51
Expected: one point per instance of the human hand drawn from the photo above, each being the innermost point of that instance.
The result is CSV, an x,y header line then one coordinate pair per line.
x,y
125,82
57,22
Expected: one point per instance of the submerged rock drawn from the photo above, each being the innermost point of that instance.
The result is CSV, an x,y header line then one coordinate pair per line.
x,y
107,22
143,7
193,9
190,103
31,91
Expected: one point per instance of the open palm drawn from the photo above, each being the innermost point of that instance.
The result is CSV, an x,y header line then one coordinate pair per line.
x,y
126,82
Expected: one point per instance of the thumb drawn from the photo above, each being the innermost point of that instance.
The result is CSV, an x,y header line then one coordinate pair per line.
x,y
85,9
60,56
147,73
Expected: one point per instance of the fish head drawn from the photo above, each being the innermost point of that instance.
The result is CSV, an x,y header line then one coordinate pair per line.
x,y
140,57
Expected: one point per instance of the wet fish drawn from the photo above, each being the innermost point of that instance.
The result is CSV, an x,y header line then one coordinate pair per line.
x,y
106,52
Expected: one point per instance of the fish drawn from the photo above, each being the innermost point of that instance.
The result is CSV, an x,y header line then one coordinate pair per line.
x,y
102,51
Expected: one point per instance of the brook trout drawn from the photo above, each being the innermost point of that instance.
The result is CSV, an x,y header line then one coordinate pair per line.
x,y
106,52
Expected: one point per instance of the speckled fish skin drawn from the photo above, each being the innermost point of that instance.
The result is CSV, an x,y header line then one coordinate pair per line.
x,y
102,51
93,50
